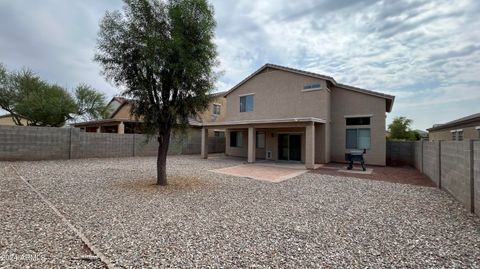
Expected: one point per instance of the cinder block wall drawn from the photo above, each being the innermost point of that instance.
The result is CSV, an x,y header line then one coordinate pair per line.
x,y
400,153
418,156
98,145
431,166
18,143
451,165
455,170
476,176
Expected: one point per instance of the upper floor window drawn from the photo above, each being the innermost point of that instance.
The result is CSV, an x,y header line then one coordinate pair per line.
x,y
216,109
358,121
460,135
454,135
478,130
246,103
312,87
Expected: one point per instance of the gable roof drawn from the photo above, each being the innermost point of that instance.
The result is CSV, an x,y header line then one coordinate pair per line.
x,y
390,98
464,120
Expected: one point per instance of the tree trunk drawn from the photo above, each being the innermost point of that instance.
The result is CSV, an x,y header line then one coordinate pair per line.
x,y
163,142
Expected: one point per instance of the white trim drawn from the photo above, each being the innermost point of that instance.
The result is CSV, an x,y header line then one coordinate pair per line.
x,y
459,130
247,94
266,121
477,128
453,131
217,104
312,90
359,116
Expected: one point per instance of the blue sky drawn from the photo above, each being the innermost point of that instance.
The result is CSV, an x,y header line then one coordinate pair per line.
x,y
426,53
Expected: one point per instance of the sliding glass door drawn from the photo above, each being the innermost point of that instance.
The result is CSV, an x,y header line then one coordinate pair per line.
x,y
289,147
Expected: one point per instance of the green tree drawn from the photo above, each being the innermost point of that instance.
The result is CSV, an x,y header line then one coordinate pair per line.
x,y
163,54
91,103
26,96
8,96
400,129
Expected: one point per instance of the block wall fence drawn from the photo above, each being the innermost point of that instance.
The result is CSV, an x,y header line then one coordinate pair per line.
x,y
25,143
452,165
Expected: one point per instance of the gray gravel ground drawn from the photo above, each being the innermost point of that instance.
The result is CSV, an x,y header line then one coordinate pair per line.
x,y
31,235
206,219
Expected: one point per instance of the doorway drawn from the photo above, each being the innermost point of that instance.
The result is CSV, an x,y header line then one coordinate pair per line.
x,y
289,147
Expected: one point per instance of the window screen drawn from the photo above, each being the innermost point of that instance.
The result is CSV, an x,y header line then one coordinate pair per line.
x,y
358,138
246,103
460,135
351,138
454,136
216,109
363,138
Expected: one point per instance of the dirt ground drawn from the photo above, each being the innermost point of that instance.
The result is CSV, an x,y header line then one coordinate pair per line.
x,y
400,174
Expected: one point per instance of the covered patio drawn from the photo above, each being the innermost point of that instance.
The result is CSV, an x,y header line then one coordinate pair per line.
x,y
294,140
119,126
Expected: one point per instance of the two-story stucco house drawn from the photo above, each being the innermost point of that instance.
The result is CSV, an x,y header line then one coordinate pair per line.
x,y
280,113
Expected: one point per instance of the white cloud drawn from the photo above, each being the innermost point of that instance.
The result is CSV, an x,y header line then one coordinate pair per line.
x,y
424,52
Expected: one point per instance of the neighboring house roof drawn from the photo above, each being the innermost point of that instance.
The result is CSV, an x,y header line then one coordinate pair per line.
x,y
123,101
99,122
464,120
390,98
218,94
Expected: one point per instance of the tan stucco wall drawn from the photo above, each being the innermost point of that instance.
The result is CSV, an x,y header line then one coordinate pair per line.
x,y
349,103
208,116
271,142
9,121
124,113
278,94
469,132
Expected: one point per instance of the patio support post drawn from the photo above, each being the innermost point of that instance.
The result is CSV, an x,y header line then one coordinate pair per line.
x,y
121,128
204,146
99,129
310,146
251,144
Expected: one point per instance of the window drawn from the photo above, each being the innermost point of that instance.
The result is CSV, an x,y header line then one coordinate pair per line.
x,y
216,109
358,138
312,87
260,140
454,135
358,121
460,135
246,103
236,139
219,134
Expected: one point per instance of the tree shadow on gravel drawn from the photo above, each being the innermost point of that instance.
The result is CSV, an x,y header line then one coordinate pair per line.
x,y
175,184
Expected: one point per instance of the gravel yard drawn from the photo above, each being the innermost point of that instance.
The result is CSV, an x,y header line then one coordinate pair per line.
x,y
207,219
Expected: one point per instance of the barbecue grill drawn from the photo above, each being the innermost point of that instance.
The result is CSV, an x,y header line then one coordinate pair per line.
x,y
356,156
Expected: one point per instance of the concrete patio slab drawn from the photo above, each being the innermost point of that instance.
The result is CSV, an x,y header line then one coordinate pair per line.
x,y
356,171
261,172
